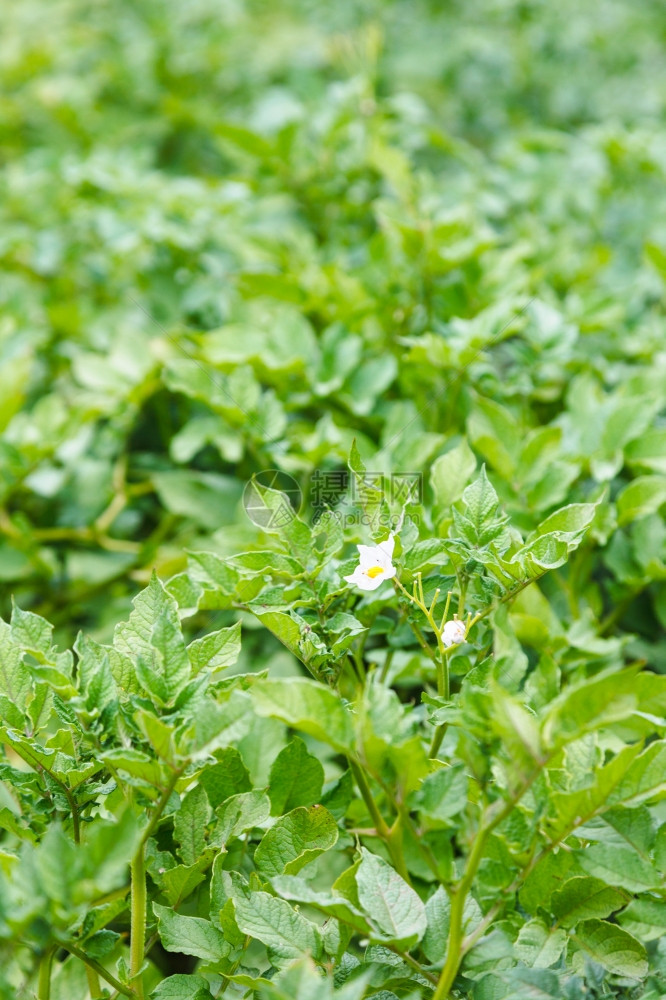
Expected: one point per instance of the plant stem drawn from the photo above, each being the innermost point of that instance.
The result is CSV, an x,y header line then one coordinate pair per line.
x,y
381,827
438,736
94,986
454,954
138,918
126,991
387,665
138,888
44,981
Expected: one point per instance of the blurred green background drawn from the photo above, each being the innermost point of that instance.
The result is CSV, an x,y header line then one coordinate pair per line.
x,y
235,235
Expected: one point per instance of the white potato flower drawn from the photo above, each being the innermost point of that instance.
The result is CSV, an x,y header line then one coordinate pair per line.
x,y
453,632
374,565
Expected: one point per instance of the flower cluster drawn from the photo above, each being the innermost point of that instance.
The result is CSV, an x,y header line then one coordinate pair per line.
x,y
375,565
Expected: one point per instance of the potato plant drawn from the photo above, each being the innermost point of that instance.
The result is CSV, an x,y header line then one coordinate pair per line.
x,y
332,482
430,822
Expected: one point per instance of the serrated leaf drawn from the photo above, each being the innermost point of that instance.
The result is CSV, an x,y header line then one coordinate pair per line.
x,y
295,840
442,794
189,825
227,777
30,631
296,778
286,933
190,935
450,472
582,897
182,987
539,946
152,638
613,948
15,679
643,496
308,706
392,906
215,650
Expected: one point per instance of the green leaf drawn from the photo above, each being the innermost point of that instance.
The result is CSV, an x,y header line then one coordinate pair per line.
x,y
190,935
571,809
480,523
589,705
295,779
158,733
649,450
238,814
137,764
613,948
218,725
197,495
189,825
295,840
227,777
180,882
182,987
495,433
308,706
31,632
302,980
392,906
15,679
286,933
519,983
284,628
215,650
641,497
539,946
583,897
442,794
570,522
330,903
645,918
450,472
620,866
153,638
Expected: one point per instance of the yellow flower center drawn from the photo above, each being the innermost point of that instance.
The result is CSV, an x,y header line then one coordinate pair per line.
x,y
374,571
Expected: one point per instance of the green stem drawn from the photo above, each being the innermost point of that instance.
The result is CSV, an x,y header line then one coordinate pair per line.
x,y
387,665
94,986
453,951
138,888
381,826
438,736
138,919
364,788
44,982
454,954
99,969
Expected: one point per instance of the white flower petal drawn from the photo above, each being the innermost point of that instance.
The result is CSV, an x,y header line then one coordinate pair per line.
x,y
363,582
374,565
388,545
453,633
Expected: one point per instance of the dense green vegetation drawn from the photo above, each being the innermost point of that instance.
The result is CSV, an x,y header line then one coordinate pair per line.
x,y
411,255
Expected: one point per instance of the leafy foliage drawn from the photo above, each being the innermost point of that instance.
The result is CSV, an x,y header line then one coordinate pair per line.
x,y
361,247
